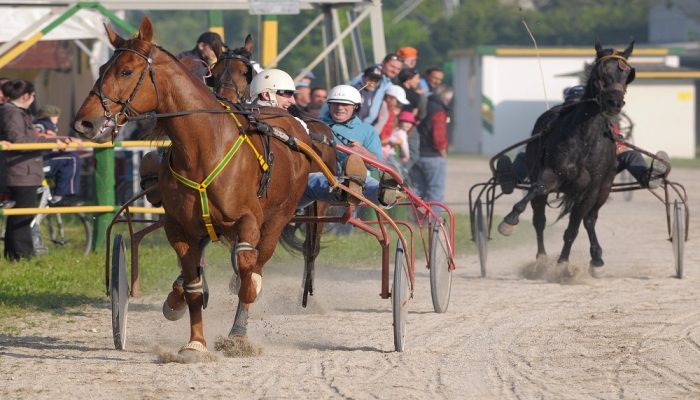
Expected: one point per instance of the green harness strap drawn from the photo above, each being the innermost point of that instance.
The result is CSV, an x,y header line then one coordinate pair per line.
x,y
202,187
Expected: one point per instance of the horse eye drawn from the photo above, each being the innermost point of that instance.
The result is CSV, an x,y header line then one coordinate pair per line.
x,y
127,72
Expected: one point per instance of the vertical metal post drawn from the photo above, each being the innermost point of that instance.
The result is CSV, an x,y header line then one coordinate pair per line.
x,y
331,78
359,59
216,23
377,24
104,187
340,49
269,52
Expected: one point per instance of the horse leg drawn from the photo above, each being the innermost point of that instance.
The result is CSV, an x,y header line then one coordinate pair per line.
x,y
246,257
312,245
596,251
547,182
189,253
539,220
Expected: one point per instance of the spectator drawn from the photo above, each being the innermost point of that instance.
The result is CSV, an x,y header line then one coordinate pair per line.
x,y
308,77
370,80
394,99
303,94
409,55
409,80
64,166
390,67
430,170
399,140
433,78
319,95
5,201
205,53
24,169
315,109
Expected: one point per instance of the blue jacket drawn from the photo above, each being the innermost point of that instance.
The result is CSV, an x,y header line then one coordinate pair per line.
x,y
354,131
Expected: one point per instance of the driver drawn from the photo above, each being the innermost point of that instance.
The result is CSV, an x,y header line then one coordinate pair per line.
x,y
343,105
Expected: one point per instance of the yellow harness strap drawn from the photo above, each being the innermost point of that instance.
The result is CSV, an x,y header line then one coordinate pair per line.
x,y
202,187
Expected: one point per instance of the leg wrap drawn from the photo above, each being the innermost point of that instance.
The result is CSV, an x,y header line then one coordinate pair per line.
x,y
257,278
200,286
240,322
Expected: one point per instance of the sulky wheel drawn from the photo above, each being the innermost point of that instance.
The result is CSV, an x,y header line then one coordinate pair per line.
x,y
678,236
440,272
400,294
481,236
119,292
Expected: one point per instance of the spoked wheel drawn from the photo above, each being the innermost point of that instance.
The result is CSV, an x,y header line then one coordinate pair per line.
x,y
440,272
119,292
678,236
307,283
481,236
400,294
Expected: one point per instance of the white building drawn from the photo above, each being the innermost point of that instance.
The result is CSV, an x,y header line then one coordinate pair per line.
x,y
500,92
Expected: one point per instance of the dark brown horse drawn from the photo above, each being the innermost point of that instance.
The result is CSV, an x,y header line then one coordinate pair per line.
x,y
142,77
230,78
233,72
575,155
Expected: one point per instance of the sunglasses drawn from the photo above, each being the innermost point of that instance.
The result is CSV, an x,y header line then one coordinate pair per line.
x,y
393,57
285,93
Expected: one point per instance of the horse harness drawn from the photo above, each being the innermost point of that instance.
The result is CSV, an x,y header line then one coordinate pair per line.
x,y
131,114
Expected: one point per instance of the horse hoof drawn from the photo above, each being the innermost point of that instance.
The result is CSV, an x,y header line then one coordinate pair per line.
x,y
596,271
193,346
172,314
505,228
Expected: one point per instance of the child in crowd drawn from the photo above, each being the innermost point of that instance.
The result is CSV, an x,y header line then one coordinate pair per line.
x,y
399,140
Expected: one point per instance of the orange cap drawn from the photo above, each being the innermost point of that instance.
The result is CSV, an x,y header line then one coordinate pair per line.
x,y
407,52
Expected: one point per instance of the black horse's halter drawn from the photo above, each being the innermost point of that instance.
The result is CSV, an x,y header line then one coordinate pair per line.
x,y
615,86
126,108
226,79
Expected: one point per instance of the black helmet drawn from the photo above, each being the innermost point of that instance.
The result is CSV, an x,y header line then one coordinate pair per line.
x,y
573,93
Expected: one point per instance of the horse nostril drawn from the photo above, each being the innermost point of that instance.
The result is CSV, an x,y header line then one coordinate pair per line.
x,y
86,125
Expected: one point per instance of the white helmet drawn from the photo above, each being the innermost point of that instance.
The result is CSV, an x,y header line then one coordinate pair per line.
x,y
344,94
271,80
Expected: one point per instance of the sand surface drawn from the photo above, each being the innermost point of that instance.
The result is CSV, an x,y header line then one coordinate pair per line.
x,y
635,333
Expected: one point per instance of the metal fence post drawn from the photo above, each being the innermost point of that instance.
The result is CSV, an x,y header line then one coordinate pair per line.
x,y
104,188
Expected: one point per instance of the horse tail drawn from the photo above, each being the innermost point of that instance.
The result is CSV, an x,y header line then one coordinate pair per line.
x,y
568,201
289,239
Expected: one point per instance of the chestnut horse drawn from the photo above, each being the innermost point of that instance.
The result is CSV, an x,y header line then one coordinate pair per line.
x,y
230,78
141,77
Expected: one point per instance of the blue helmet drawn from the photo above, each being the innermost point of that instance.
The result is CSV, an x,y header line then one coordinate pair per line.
x,y
573,93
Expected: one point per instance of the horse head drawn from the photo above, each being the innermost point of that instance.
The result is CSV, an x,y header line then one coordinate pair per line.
x,y
126,87
233,72
609,76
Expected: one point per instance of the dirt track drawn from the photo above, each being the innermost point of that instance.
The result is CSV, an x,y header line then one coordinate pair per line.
x,y
633,334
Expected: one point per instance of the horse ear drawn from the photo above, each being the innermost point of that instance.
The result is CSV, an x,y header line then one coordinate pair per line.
x,y
628,50
249,44
114,38
146,30
598,47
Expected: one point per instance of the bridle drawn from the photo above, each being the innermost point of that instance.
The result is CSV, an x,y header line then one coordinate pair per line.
x,y
226,79
622,64
126,107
